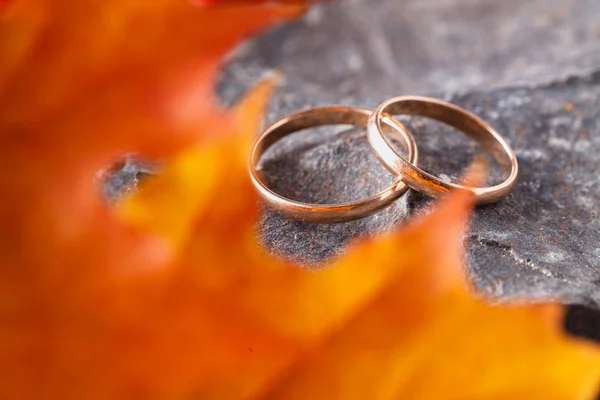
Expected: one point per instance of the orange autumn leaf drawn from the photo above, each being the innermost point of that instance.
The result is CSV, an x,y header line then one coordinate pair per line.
x,y
81,84
359,316
170,296
403,327
150,67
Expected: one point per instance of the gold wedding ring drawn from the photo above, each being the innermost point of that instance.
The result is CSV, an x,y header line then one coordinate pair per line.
x,y
454,116
327,213
380,126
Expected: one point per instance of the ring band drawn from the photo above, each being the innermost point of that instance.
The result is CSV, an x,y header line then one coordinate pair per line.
x,y
454,116
327,213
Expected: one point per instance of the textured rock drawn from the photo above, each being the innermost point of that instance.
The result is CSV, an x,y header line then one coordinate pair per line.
x,y
542,241
531,69
386,47
539,242
124,176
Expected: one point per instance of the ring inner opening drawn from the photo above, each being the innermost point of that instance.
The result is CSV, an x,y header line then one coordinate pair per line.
x,y
446,152
326,165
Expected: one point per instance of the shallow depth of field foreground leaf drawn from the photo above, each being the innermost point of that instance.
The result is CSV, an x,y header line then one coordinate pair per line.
x,y
391,319
169,295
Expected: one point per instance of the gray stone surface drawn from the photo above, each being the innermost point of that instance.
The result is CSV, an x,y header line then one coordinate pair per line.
x,y
532,69
529,68
539,242
386,47
124,176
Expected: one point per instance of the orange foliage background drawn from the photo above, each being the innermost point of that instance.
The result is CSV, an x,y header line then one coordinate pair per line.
x,y
168,295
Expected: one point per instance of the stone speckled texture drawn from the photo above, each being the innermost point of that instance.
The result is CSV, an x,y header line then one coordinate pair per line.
x,y
531,69
528,68
385,47
540,242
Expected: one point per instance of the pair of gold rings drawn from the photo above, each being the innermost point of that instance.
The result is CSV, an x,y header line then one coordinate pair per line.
x,y
380,124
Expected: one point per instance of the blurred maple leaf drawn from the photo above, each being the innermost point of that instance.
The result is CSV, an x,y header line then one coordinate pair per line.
x,y
391,319
169,295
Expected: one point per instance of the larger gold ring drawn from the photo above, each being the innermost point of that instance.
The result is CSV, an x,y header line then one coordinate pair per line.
x,y
326,213
454,116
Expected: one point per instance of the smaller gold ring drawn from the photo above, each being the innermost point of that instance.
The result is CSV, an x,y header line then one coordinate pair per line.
x,y
456,117
326,213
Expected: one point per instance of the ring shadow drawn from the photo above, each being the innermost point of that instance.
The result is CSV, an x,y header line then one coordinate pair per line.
x,y
336,169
